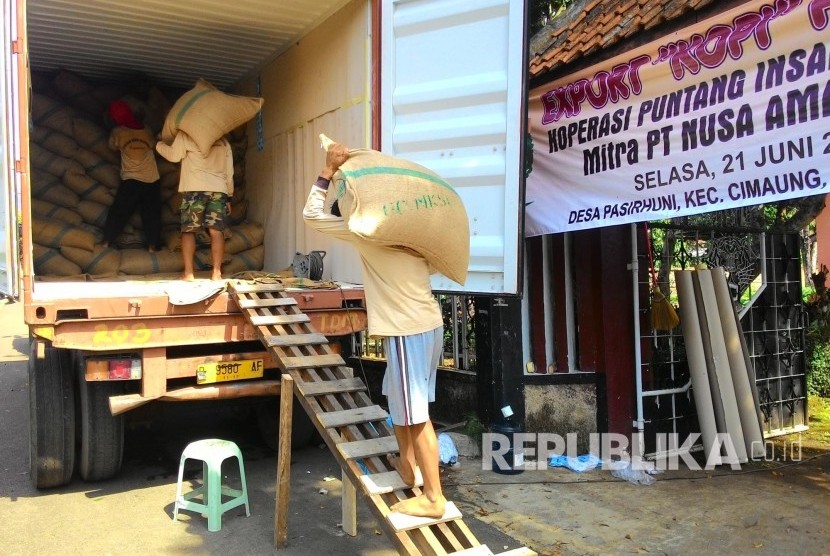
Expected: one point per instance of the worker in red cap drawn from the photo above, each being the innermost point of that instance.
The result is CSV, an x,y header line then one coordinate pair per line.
x,y
140,185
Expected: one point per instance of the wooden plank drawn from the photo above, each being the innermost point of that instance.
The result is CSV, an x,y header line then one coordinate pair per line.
x,y
523,551
480,550
348,501
273,302
367,448
240,287
403,522
306,361
271,320
284,462
389,481
323,387
290,340
333,419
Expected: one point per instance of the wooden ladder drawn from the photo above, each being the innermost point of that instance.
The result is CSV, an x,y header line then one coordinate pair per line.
x,y
354,429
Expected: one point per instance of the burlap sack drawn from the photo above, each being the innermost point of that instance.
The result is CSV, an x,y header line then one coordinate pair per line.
x,y
50,262
130,238
239,212
52,163
93,213
206,114
174,202
166,167
79,93
160,105
170,218
88,189
252,259
97,261
202,259
51,211
50,113
170,182
140,262
172,237
92,137
96,232
53,233
49,188
245,236
54,141
99,169
391,201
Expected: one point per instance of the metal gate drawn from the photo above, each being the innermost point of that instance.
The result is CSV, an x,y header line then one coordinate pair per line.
x,y
763,272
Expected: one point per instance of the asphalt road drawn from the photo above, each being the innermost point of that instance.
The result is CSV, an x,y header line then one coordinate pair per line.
x,y
132,514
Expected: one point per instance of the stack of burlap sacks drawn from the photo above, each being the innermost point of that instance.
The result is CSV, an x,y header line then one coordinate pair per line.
x,y
75,176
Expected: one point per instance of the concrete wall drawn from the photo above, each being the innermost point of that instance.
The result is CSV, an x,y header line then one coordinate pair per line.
x,y
562,409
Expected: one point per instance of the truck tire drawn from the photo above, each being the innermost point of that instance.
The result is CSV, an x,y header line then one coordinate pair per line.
x,y
101,448
51,416
268,422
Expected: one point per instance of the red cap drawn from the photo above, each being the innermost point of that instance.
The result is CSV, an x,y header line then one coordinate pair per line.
x,y
122,115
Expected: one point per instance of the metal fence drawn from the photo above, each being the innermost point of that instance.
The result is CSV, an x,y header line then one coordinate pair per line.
x,y
459,334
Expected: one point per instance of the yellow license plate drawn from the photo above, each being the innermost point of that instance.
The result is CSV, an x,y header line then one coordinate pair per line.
x,y
209,373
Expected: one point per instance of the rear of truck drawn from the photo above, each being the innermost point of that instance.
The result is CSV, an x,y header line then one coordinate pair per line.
x,y
106,343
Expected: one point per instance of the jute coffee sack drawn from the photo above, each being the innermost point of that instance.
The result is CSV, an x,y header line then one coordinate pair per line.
x,y
50,262
51,211
54,141
245,236
52,163
97,261
87,188
202,259
396,202
93,213
53,233
138,262
252,259
205,113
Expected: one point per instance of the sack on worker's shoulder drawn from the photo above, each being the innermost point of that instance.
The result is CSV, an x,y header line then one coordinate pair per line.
x,y
396,202
206,114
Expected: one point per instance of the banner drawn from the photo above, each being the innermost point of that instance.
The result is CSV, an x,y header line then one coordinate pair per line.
x,y
731,112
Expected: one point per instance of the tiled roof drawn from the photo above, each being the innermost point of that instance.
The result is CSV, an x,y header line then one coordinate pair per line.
x,y
588,26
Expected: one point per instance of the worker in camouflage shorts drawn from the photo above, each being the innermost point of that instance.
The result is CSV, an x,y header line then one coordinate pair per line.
x,y
206,185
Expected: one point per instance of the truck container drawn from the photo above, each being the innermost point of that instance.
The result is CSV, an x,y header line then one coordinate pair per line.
x,y
440,82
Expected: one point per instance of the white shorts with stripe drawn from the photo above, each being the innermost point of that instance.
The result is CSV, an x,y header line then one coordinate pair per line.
x,y
409,381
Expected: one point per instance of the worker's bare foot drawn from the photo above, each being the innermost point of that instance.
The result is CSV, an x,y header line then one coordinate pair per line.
x,y
216,276
421,506
188,277
404,468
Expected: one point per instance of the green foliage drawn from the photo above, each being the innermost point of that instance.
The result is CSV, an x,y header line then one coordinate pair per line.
x,y
540,12
473,428
818,337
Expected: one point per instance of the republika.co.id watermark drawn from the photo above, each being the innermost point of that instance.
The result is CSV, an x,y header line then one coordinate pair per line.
x,y
531,451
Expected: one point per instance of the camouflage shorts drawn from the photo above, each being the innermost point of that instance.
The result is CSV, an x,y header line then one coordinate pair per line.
x,y
202,209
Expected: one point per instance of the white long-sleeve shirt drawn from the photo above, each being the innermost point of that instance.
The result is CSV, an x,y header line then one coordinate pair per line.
x,y
201,172
399,299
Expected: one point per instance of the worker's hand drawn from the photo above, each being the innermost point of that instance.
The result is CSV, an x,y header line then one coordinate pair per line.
x,y
336,155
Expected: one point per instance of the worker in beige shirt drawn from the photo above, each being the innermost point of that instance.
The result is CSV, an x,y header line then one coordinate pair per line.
x,y
400,308
206,185
140,186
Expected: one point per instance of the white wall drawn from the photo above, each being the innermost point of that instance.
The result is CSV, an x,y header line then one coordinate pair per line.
x,y
321,85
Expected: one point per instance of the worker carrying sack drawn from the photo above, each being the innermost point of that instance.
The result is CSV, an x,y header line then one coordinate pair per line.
x,y
206,114
395,202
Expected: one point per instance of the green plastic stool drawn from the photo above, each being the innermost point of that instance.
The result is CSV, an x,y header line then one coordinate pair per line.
x,y
212,452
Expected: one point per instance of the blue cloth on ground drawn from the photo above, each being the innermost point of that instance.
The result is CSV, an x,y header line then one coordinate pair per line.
x,y
447,452
579,464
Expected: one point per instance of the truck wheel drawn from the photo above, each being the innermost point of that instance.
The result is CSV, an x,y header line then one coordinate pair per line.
x,y
51,416
268,421
102,433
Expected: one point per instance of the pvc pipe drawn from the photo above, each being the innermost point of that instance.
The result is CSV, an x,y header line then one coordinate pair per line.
x,y
697,360
720,358
752,435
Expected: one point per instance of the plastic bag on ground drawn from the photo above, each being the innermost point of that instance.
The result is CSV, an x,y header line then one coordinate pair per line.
x,y
635,476
447,452
579,464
